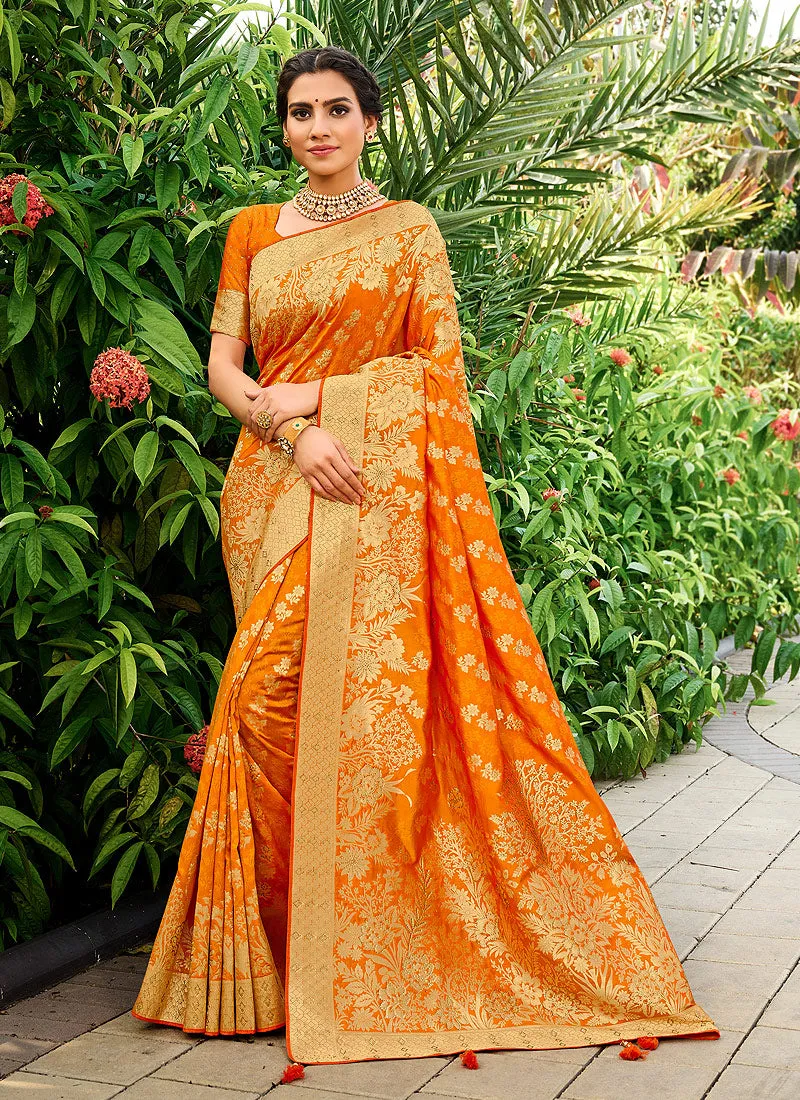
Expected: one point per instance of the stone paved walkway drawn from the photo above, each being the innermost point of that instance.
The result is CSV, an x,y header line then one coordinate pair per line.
x,y
718,839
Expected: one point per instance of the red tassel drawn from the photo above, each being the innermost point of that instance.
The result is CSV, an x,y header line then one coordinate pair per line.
x,y
469,1059
647,1042
630,1052
293,1072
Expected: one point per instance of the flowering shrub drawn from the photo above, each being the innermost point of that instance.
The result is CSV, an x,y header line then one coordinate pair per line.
x,y
676,522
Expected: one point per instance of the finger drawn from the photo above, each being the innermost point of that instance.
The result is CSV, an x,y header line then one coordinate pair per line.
x,y
317,487
253,391
334,492
352,469
339,479
353,483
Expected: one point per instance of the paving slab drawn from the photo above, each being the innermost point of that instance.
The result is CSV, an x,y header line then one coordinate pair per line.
x,y
740,1082
110,1058
253,1063
25,1085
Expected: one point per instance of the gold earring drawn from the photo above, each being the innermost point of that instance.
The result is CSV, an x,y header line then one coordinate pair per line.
x,y
287,141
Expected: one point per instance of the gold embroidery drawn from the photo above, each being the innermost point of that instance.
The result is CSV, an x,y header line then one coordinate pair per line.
x,y
231,314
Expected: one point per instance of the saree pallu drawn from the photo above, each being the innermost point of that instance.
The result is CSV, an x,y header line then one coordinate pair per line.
x,y
447,874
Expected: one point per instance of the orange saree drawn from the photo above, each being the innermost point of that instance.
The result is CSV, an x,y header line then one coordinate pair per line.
x,y
396,849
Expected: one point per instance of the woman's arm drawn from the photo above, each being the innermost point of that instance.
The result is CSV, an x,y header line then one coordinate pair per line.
x,y
240,394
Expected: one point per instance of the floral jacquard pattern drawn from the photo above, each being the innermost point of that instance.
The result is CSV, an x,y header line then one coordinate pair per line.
x,y
420,863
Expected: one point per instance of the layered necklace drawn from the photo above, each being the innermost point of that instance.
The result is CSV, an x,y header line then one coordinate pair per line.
x,y
320,207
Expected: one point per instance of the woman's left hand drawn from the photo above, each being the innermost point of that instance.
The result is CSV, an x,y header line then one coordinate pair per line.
x,y
284,400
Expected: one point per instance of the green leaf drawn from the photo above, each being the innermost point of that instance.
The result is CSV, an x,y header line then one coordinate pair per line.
x,y
132,153
124,870
144,457
69,740
127,674
107,849
25,825
21,314
146,793
168,184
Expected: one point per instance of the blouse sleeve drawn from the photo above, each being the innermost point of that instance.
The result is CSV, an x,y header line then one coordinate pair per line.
x,y
232,306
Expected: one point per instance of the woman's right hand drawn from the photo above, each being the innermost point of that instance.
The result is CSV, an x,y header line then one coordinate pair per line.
x,y
323,461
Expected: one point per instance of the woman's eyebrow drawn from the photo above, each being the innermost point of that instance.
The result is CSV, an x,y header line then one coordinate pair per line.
x,y
325,102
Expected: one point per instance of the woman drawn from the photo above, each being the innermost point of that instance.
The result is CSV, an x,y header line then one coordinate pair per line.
x,y
396,849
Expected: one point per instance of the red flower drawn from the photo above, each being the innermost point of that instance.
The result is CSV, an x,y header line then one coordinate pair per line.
x,y
620,357
547,494
657,369
578,318
753,394
45,511
293,1072
469,1059
701,483
698,420
579,395
731,475
569,378
119,377
719,390
195,748
36,207
697,347
593,583
786,425
743,435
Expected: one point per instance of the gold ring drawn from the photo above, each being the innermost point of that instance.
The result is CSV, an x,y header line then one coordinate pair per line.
x,y
263,418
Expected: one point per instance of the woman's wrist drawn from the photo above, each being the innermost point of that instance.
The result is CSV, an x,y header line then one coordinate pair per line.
x,y
312,390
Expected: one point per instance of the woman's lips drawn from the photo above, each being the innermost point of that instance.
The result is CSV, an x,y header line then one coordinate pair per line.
x,y
323,152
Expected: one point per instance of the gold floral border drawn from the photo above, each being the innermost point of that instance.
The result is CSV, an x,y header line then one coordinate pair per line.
x,y
332,563
285,253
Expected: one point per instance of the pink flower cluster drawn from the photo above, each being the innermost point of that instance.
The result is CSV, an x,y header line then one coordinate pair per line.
x,y
731,475
786,425
753,395
37,208
578,318
119,377
195,748
620,357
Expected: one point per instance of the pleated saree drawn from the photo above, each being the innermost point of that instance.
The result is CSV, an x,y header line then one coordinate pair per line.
x,y
396,849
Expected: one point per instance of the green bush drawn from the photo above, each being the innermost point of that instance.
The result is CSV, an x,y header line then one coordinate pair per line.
x,y
144,135
634,553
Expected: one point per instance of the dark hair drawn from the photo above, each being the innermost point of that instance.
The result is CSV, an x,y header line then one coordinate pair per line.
x,y
323,58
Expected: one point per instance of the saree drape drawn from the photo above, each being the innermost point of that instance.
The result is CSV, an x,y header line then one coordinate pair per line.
x,y
396,848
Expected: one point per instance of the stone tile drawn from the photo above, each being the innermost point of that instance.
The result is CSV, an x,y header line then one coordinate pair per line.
x,y
682,895
711,854
783,1011
692,870
789,859
735,837
389,1079
752,950
606,1079
732,994
49,1029
23,1049
37,1086
741,1082
504,1074
126,1024
770,894
744,922
681,836
683,923
153,1088
115,1059
254,1064
773,1047
653,862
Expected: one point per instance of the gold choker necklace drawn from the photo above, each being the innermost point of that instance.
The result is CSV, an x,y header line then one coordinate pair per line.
x,y
320,207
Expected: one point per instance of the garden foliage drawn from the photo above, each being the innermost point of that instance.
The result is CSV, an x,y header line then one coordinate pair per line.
x,y
138,135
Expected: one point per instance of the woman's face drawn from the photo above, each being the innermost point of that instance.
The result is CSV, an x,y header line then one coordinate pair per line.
x,y
323,110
